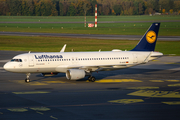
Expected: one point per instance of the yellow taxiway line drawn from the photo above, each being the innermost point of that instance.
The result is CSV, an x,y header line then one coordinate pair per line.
x,y
172,103
117,80
142,88
157,94
126,101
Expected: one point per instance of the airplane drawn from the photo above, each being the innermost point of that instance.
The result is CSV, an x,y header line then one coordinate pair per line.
x,y
78,65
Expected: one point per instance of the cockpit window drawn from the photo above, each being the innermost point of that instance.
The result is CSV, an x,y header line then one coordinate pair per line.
x,y
16,60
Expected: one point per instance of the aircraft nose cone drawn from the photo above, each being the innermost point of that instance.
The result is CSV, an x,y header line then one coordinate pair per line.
x,y
7,67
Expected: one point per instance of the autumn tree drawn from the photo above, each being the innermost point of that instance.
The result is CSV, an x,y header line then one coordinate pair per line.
x,y
79,8
150,7
92,9
136,7
4,8
25,8
37,7
71,10
63,8
127,8
100,9
106,9
167,4
141,9
89,8
177,6
31,7
117,9
76,7
14,7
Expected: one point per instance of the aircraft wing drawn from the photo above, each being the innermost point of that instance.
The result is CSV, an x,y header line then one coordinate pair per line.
x,y
103,67
93,68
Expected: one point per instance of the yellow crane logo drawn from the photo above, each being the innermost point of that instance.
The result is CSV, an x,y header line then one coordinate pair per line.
x,y
151,37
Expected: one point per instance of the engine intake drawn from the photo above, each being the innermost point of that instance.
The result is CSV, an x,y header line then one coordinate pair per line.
x,y
75,74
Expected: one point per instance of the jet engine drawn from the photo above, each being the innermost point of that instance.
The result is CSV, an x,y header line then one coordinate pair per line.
x,y
75,74
49,74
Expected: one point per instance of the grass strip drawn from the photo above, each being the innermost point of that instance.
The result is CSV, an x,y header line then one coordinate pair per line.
x,y
54,44
166,28
88,18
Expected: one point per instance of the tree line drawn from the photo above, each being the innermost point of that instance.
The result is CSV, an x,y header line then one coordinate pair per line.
x,y
80,7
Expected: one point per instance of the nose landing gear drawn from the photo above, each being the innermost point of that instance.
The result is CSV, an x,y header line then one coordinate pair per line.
x,y
27,80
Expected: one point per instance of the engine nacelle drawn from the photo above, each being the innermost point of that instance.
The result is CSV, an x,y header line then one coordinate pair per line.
x,y
75,74
49,74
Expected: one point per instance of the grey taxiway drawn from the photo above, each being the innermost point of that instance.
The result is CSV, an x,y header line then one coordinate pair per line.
x,y
94,36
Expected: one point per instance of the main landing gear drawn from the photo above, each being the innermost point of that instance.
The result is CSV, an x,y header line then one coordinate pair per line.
x,y
27,80
91,78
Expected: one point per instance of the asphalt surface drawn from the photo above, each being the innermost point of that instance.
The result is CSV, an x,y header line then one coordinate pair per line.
x,y
94,36
144,92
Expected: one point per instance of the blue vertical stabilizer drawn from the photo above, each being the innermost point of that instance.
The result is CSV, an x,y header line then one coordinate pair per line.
x,y
148,41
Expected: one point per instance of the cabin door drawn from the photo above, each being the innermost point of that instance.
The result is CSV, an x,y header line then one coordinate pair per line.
x,y
135,58
31,60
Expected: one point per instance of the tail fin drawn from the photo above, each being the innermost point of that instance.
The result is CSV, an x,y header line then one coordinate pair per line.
x,y
148,41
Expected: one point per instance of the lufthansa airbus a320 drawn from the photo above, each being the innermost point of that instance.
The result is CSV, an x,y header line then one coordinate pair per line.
x,y
78,65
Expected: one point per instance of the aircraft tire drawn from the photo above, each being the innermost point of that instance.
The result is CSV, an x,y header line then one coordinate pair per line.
x,y
92,78
27,80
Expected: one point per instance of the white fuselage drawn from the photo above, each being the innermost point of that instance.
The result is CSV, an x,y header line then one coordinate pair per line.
x,y
62,61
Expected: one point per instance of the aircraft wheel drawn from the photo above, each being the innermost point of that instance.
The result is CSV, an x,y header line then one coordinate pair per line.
x,y
92,78
27,80
89,78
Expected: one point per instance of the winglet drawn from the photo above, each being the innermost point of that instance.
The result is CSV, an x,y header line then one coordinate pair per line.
x,y
148,41
63,49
